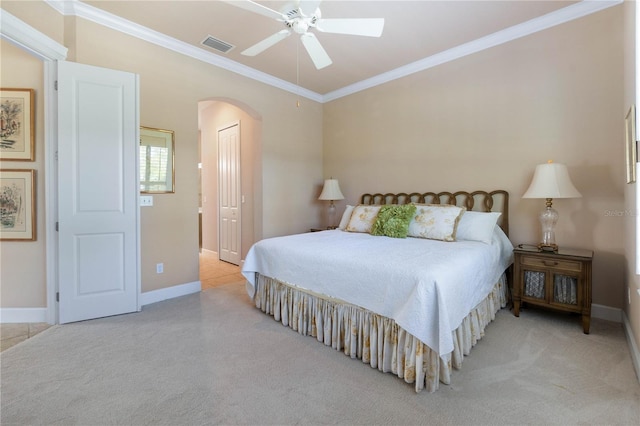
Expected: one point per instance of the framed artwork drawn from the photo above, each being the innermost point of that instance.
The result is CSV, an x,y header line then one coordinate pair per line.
x,y
156,161
630,144
17,125
17,205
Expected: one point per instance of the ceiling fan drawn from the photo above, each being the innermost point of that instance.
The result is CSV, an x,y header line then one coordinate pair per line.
x,y
300,17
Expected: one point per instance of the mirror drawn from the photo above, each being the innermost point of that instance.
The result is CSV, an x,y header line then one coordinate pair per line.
x,y
156,160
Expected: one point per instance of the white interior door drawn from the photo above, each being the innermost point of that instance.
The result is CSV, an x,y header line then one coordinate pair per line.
x,y
98,242
229,193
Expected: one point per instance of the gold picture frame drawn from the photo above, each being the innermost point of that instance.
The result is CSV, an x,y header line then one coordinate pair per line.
x,y
157,170
631,153
17,205
17,125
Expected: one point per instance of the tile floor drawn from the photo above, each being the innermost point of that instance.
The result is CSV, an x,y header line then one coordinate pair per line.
x,y
213,273
12,334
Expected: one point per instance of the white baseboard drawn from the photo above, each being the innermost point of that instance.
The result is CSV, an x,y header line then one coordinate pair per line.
x,y
633,345
22,315
606,313
33,315
170,292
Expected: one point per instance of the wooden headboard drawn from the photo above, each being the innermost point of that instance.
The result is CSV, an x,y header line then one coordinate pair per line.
x,y
481,201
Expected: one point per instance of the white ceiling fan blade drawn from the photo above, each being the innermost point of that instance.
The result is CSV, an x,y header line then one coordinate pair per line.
x,y
257,8
266,43
371,27
316,51
309,7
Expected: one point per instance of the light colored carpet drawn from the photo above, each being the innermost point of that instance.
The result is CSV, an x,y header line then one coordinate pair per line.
x,y
213,358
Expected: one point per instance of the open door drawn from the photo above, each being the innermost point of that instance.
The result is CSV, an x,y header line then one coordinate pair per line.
x,y
98,191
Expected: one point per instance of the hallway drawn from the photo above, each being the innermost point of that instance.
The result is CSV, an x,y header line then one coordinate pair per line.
x,y
214,272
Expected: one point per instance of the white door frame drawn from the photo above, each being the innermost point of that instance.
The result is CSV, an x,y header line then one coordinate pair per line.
x,y
48,51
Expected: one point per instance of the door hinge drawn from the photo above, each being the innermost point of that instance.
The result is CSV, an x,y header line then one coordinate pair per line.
x,y
55,84
57,226
57,296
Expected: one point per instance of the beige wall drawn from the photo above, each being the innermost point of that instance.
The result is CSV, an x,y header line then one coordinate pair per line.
x,y
22,270
486,120
171,85
170,228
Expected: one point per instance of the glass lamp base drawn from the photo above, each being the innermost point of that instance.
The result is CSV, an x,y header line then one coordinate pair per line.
x,y
332,216
548,219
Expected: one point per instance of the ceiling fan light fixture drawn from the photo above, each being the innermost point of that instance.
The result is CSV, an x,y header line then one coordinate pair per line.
x,y
300,26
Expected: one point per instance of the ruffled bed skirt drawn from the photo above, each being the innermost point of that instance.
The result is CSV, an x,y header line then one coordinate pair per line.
x,y
375,339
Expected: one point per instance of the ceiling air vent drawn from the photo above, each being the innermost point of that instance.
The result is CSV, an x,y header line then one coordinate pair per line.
x,y
219,45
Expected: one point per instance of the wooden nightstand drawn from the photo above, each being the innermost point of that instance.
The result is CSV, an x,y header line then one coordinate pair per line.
x,y
560,280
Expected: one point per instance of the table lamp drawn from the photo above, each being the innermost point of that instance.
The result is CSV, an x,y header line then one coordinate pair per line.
x,y
550,180
331,191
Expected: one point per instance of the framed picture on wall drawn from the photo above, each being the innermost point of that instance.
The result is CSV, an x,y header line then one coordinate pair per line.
x,y
17,125
630,144
17,205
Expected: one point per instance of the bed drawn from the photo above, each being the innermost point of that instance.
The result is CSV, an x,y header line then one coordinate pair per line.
x,y
411,304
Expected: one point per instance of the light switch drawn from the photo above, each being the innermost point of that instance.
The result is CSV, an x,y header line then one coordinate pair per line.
x,y
146,200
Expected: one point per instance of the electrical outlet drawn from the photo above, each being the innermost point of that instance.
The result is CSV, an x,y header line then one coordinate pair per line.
x,y
146,200
159,268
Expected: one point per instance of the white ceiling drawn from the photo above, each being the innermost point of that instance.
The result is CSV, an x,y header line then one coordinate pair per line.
x,y
417,34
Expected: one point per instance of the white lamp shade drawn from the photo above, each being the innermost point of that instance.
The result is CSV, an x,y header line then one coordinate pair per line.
x,y
331,190
551,180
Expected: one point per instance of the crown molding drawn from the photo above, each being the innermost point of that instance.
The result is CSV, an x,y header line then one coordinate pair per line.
x,y
561,16
28,38
109,20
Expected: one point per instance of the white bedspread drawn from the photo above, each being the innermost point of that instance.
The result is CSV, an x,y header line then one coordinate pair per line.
x,y
426,286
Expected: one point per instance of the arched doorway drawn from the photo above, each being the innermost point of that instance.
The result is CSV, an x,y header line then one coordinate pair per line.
x,y
215,114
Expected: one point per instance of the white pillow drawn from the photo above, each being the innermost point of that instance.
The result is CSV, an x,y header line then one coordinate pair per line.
x,y
435,221
345,217
477,226
362,218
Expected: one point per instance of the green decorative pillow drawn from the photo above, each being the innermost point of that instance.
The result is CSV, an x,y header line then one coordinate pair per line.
x,y
393,220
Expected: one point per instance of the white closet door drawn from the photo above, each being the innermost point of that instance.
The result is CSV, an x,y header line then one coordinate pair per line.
x,y
229,193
